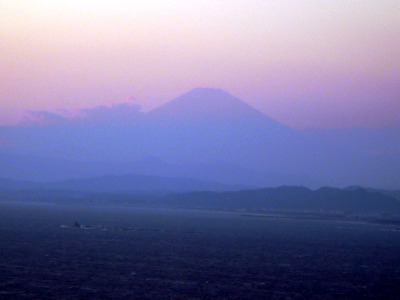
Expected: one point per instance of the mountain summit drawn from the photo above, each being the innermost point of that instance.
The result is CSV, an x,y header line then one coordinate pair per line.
x,y
208,103
201,127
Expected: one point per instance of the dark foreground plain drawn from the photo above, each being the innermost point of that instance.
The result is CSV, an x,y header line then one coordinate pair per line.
x,y
131,253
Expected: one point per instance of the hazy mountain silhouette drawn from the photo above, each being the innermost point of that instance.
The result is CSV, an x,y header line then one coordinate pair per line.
x,y
131,183
121,183
33,168
291,198
206,134
391,193
210,124
191,193
210,105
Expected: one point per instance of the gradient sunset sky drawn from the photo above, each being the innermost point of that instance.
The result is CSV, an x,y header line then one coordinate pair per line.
x,y
311,63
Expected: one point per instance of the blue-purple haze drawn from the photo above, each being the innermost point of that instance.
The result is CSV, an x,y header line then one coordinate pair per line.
x,y
206,134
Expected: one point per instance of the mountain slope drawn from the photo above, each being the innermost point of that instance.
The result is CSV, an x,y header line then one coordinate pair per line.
x,y
211,105
210,124
199,127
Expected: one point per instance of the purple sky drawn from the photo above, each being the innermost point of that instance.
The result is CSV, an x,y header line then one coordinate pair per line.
x,y
308,63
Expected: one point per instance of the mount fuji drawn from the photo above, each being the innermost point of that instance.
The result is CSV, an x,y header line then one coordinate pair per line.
x,y
203,127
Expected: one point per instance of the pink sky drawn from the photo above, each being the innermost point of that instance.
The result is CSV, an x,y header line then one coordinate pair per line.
x,y
308,63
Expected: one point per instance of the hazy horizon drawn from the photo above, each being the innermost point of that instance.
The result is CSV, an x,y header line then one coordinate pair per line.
x,y
306,64
130,108
290,91
213,149
203,127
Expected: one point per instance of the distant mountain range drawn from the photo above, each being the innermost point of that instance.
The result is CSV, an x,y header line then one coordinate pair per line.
x,y
147,191
34,168
121,183
205,134
288,198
